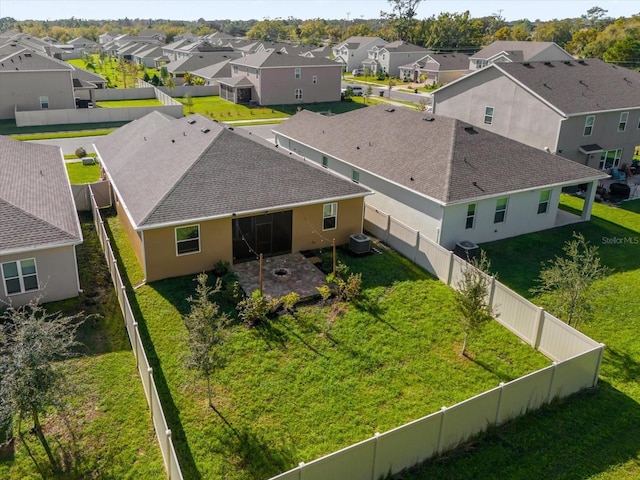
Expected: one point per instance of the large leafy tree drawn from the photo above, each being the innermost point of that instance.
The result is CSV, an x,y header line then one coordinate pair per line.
x,y
31,342
566,281
402,17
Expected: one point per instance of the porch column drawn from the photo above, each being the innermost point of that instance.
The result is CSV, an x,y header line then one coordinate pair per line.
x,y
588,201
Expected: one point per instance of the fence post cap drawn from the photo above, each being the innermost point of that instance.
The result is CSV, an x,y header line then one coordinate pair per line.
x,y
135,324
168,432
443,409
301,464
149,369
376,435
501,384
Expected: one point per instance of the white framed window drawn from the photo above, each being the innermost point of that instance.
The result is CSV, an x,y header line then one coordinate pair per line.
x,y
314,79
297,73
355,176
471,216
20,276
235,69
588,125
501,210
44,102
298,94
187,239
325,162
330,216
610,158
543,203
257,73
488,115
622,124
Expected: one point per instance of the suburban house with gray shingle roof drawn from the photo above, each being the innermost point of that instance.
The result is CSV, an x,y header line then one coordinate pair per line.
x,y
31,81
196,61
584,110
40,226
354,50
507,51
436,68
271,77
218,195
388,58
443,177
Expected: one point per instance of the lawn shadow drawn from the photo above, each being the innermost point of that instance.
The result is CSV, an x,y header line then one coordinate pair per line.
x,y
254,455
627,369
578,437
171,411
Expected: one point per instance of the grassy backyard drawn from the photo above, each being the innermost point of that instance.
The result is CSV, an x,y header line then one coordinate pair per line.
x,y
593,435
145,102
105,431
293,392
79,173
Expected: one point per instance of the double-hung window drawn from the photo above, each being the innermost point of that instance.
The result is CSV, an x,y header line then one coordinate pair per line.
x,y
314,79
355,176
20,276
488,115
471,216
188,239
610,158
298,94
622,124
330,216
44,102
325,162
297,73
543,203
588,125
501,210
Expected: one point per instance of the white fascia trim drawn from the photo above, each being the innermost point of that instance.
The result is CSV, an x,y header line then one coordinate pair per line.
x,y
435,200
531,189
595,112
275,208
115,188
49,246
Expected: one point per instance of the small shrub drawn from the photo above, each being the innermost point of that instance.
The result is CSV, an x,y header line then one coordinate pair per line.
x,y
347,286
325,292
289,302
221,268
81,152
256,309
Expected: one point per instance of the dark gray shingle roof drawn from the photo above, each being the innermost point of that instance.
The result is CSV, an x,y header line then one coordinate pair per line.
x,y
526,49
201,175
273,58
36,206
441,158
579,86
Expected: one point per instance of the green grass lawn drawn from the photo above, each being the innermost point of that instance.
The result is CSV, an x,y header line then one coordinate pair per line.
x,y
107,431
216,108
144,102
79,173
292,393
68,134
593,435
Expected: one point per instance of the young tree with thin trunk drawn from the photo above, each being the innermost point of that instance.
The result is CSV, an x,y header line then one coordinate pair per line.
x,y
566,281
472,296
31,342
207,328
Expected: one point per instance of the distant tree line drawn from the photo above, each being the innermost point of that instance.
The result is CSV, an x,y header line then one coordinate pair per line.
x,y
593,34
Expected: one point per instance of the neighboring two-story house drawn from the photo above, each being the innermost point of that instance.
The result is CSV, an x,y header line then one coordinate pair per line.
x,y
584,110
30,81
196,61
506,51
443,177
390,57
275,78
355,50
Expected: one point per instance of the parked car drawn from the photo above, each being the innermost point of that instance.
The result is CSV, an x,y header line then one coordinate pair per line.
x,y
357,72
358,91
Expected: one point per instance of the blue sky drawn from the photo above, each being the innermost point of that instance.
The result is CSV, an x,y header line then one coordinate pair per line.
x,y
329,9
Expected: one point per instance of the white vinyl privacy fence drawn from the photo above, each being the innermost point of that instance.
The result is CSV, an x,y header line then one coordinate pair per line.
x,y
576,363
172,467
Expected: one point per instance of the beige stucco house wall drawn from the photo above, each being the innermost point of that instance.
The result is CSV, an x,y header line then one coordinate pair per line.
x,y
24,89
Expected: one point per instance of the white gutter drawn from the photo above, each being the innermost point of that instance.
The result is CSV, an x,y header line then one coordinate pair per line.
x,y
264,210
48,246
